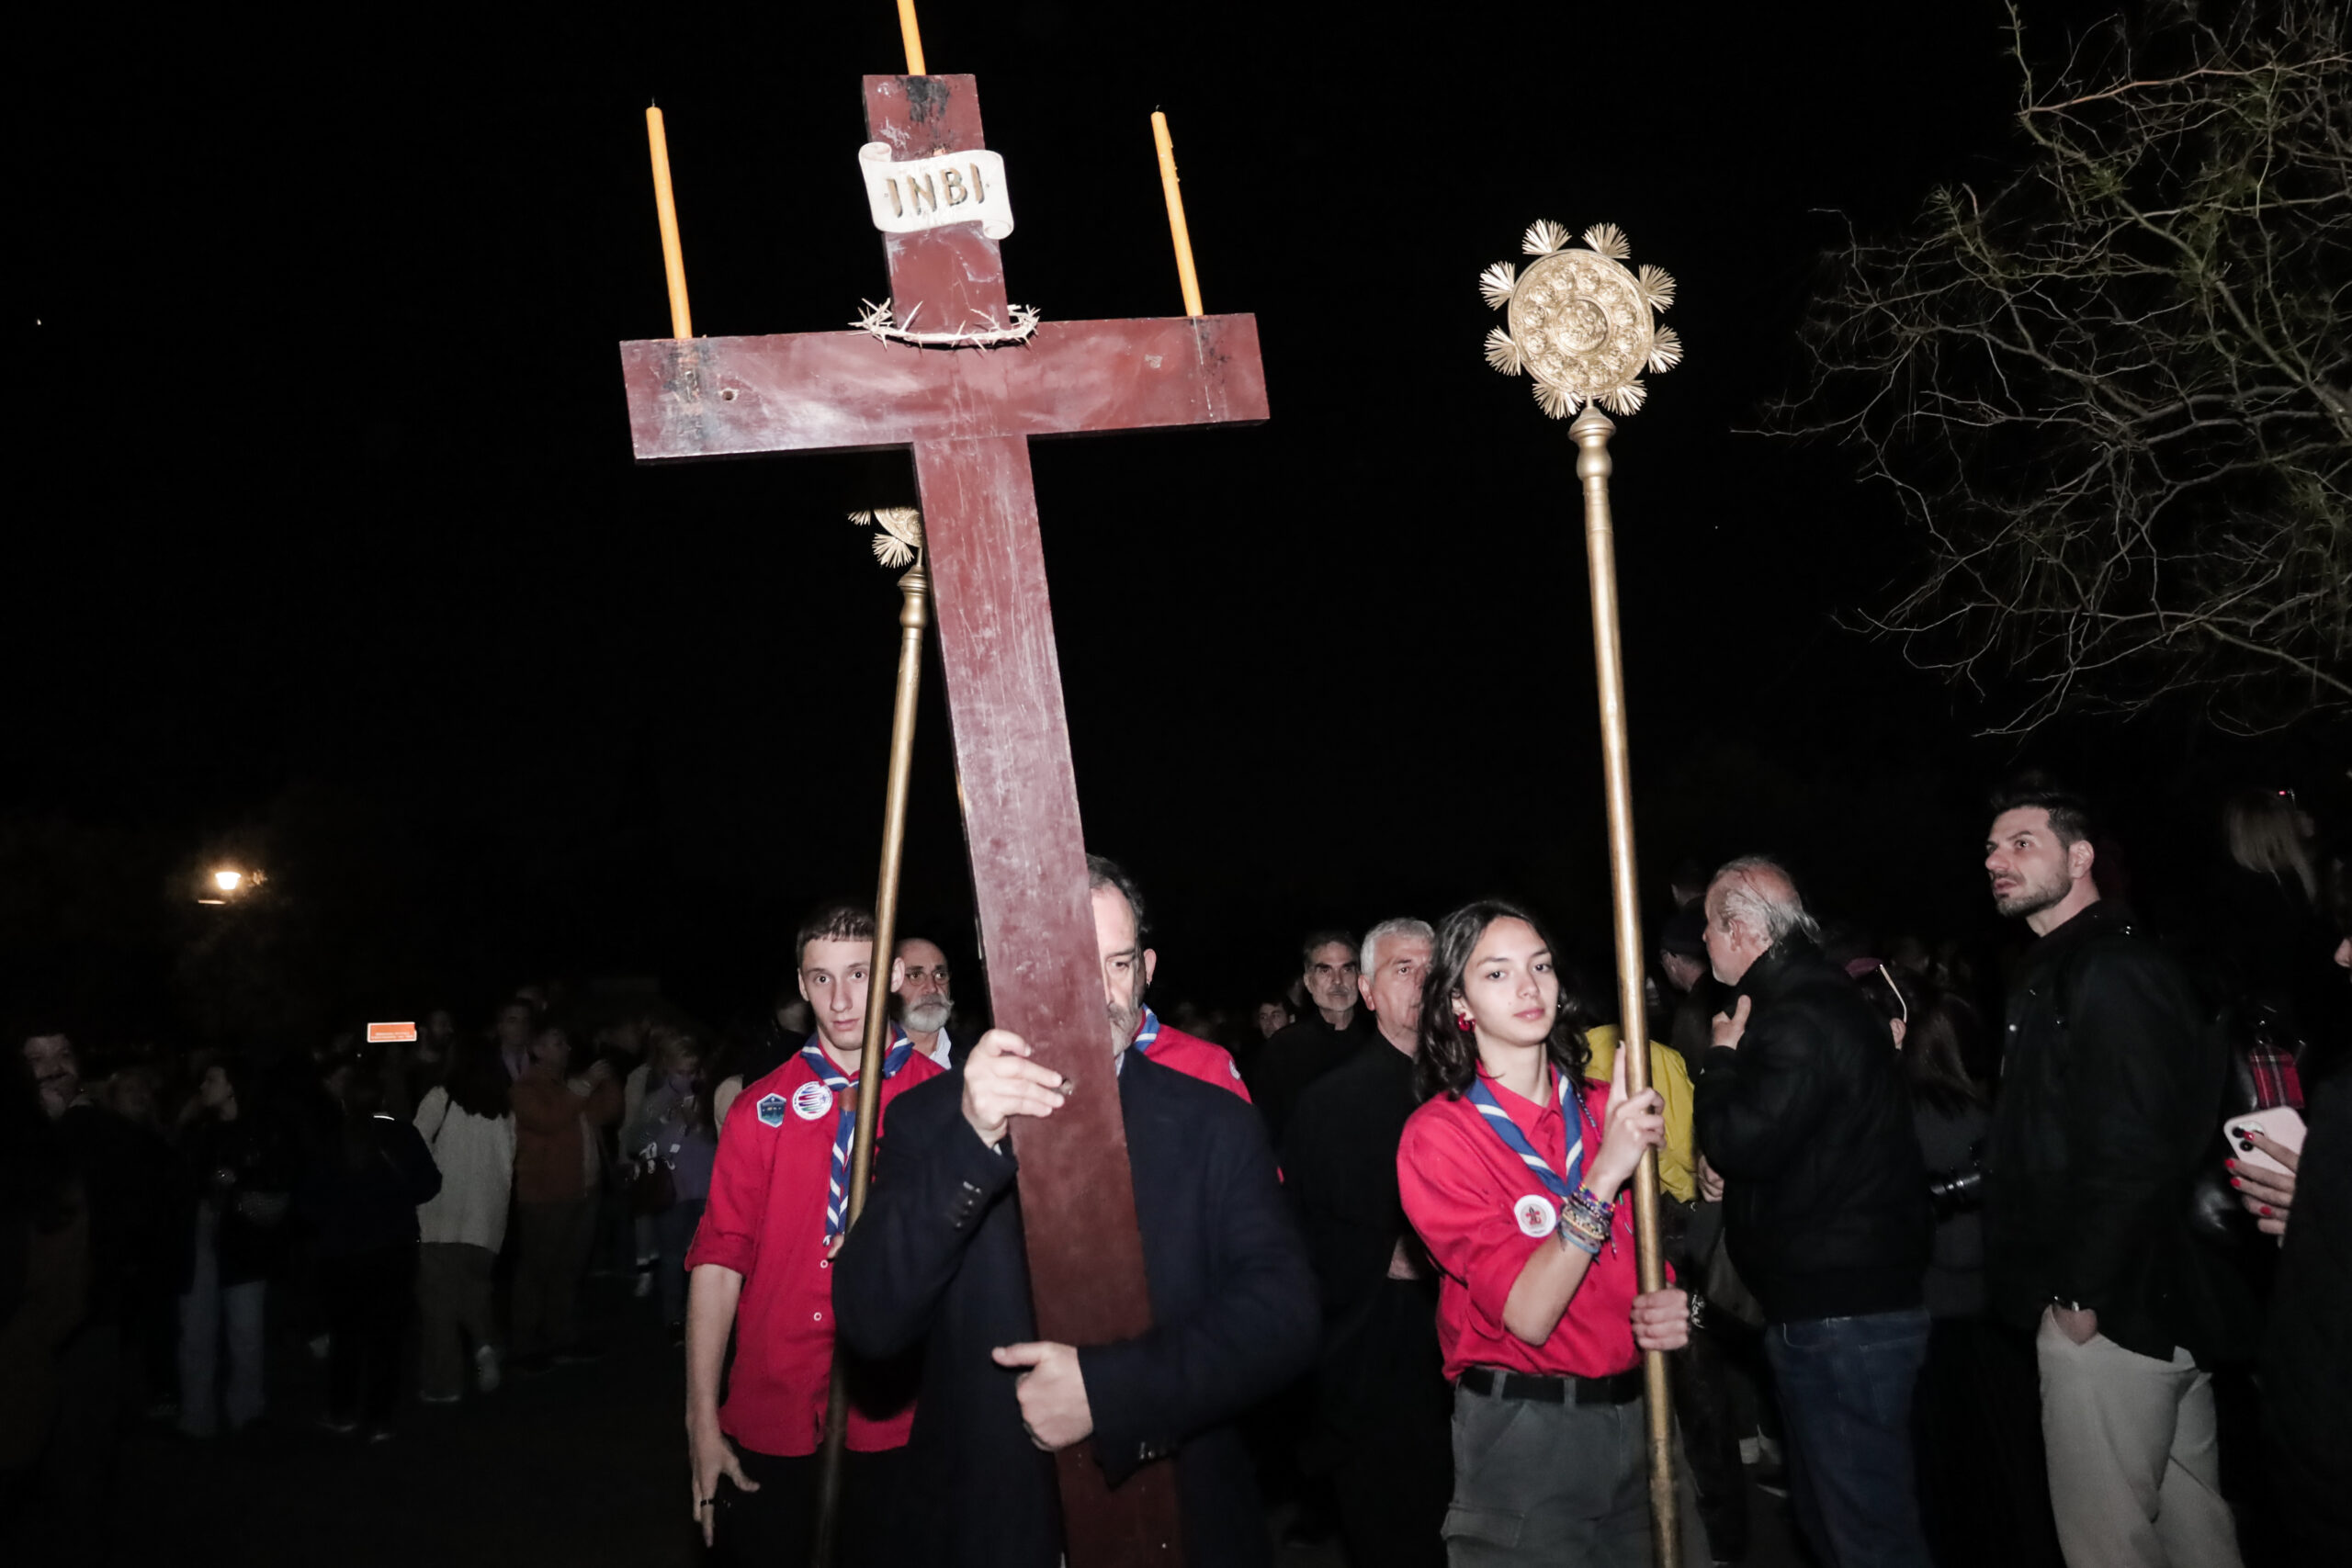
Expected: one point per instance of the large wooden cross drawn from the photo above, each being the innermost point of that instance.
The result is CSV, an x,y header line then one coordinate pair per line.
x,y
968,413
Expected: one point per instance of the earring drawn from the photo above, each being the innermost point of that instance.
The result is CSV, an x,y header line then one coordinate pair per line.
x,y
1461,1021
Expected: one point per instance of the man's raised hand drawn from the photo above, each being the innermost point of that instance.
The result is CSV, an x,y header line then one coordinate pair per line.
x,y
1002,1082
1729,1026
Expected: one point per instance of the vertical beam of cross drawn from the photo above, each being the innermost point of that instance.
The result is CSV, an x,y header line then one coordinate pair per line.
x,y
996,638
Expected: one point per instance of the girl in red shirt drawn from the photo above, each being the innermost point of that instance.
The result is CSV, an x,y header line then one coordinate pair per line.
x,y
1512,1172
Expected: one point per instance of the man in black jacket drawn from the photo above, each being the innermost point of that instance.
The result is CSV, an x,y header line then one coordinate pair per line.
x,y
1383,1417
1801,1108
938,1259
2110,1093
1332,1031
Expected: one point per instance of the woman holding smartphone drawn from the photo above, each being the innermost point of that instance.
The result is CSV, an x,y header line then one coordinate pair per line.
x,y
1512,1171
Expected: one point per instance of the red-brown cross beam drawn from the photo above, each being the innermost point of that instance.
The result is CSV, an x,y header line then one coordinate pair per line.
x,y
968,414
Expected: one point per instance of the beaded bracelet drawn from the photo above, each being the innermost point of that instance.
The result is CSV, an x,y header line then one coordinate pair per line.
x,y
1573,1234
1595,1218
1588,1229
1587,1200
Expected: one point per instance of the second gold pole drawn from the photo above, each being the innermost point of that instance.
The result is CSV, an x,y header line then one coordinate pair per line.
x,y
914,616
1592,430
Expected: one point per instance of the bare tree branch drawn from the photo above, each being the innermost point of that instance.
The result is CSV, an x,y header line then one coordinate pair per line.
x,y
2115,394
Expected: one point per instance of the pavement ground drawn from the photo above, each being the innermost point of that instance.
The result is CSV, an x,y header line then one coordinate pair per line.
x,y
583,1466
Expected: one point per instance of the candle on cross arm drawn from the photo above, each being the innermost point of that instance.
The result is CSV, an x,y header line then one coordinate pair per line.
x,y
911,35
1184,274
665,206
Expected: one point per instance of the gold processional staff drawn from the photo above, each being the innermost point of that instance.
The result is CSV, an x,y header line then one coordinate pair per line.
x,y
1583,325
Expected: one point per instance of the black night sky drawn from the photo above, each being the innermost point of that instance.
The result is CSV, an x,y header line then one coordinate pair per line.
x,y
330,552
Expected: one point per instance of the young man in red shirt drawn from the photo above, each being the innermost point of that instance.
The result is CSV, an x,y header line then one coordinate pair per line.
x,y
761,1264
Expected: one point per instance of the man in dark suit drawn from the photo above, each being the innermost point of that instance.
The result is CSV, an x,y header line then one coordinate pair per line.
x,y
1384,1423
938,1258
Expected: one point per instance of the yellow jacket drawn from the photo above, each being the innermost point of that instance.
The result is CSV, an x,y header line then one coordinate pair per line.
x,y
1678,1162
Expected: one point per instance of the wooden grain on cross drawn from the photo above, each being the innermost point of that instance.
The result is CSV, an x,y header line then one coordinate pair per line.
x,y
968,414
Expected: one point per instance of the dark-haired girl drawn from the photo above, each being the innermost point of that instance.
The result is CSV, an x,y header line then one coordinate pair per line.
x,y
1512,1172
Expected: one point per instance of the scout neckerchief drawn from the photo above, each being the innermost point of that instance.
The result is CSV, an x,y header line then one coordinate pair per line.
x,y
1499,1123
1147,1035
845,1125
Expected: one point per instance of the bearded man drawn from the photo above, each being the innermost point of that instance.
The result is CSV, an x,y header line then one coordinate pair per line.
x,y
2110,1092
938,1260
926,998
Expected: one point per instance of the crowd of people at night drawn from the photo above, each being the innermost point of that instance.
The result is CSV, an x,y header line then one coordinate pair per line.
x,y
2026,1254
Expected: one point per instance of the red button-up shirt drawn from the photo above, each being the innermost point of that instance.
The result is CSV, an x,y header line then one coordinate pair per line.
x,y
1461,1185
1197,1058
766,1221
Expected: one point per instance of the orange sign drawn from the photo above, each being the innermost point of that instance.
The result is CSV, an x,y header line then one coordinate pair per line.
x,y
390,1033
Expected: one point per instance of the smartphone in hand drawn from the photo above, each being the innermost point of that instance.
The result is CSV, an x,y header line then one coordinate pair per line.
x,y
2282,1124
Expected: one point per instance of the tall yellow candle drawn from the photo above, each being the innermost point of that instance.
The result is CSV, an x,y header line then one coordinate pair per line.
x,y
912,36
666,205
1184,273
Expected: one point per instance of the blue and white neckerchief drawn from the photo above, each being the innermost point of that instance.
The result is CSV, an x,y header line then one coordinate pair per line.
x,y
1498,1122
1146,1037
845,1125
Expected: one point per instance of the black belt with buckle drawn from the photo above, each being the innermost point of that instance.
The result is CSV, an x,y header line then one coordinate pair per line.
x,y
1621,1389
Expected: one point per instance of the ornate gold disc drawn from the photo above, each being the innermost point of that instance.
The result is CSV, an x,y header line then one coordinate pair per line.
x,y
1582,322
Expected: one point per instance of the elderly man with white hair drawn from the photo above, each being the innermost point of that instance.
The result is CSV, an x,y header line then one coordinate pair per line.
x,y
1384,1410
1803,1110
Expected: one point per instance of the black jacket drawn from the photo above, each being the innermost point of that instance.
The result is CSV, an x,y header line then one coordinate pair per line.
x,y
1809,1123
2111,1095
246,1169
938,1259
1296,1057
2307,1354
1381,1364
364,1197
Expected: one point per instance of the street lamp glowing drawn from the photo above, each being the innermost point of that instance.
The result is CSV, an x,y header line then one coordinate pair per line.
x,y
228,881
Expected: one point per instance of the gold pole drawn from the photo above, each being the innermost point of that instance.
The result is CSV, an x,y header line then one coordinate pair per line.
x,y
914,615
911,35
1592,431
1186,277
665,210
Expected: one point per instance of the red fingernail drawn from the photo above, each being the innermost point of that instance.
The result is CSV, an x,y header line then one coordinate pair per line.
x,y
2266,1211
2231,1163
2235,1182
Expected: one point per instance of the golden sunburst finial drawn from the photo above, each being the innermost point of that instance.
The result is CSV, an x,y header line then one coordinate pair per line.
x,y
1582,322
901,535
1543,237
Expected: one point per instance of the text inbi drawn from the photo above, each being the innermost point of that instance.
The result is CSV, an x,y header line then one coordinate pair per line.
x,y
925,192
